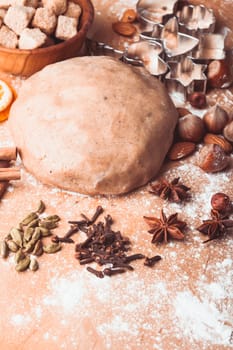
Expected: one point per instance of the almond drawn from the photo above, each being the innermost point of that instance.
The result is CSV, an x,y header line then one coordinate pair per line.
x,y
124,28
180,150
129,16
212,159
218,140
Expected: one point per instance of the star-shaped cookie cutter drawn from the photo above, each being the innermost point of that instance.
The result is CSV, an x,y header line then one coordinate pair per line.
x,y
175,44
186,77
196,20
155,11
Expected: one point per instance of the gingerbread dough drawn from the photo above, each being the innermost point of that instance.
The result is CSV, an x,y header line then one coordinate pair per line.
x,y
93,125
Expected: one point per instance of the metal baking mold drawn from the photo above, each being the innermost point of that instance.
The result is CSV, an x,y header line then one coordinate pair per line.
x,y
155,11
196,20
141,53
175,44
211,47
186,77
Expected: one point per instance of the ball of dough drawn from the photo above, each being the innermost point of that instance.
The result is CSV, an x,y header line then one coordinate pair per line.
x,y
93,125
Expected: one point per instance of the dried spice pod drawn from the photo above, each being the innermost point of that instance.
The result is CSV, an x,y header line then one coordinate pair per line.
x,y
54,218
212,159
52,248
191,128
218,140
33,265
17,236
215,119
41,207
23,264
28,234
29,218
38,249
19,255
124,28
13,247
48,224
45,232
181,150
4,250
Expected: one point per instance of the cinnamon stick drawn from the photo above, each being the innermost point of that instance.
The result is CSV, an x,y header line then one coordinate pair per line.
x,y
8,153
3,187
7,174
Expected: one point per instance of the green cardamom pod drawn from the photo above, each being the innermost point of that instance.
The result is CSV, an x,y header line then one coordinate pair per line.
x,y
38,249
36,235
13,247
52,248
17,236
23,264
54,218
29,218
45,232
19,255
41,207
4,250
33,266
34,223
48,224
28,233
28,248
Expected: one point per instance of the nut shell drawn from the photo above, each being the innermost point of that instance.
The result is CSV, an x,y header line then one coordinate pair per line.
x,y
197,100
218,74
218,140
191,128
212,159
228,131
215,119
220,202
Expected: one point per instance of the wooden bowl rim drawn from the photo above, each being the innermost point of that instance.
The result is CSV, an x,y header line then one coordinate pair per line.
x,y
56,47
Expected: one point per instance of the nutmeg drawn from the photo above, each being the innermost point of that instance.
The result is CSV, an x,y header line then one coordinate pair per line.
x,y
191,128
212,158
215,119
228,131
197,100
221,202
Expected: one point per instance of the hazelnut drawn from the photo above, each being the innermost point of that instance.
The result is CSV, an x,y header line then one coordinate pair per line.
x,y
218,74
191,128
197,100
221,202
215,119
212,158
228,131
182,111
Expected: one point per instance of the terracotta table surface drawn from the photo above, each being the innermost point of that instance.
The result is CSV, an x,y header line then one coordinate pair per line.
x,y
184,302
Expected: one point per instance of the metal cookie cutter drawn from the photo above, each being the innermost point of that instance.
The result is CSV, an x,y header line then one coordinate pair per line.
x,y
155,11
211,47
186,77
196,20
175,44
141,53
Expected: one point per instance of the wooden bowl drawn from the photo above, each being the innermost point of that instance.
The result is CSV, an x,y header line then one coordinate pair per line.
x,y
27,62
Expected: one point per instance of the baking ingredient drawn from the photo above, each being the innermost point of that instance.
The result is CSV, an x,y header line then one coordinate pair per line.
x,y
102,138
212,158
197,100
150,262
218,140
190,128
6,95
173,190
181,150
218,74
221,202
228,131
216,227
165,227
124,28
215,119
129,16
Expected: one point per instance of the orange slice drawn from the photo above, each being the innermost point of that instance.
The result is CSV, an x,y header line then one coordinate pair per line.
x,y
7,96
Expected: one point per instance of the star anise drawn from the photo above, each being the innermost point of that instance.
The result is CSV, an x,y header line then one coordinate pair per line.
x,y
166,227
216,227
173,190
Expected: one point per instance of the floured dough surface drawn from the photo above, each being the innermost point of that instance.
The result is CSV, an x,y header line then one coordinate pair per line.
x,y
93,125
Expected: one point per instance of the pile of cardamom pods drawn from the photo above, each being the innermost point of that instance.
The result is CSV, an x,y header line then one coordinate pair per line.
x,y
26,239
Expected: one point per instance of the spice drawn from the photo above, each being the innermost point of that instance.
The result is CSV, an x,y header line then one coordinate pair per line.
x,y
216,227
150,262
174,191
97,273
221,202
165,227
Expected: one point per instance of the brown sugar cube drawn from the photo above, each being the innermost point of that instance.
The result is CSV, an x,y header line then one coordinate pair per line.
x,y
57,6
73,10
18,18
66,27
31,38
45,20
8,38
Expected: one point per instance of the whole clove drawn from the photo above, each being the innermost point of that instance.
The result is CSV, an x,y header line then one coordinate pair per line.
x,y
150,262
